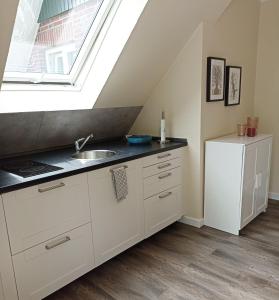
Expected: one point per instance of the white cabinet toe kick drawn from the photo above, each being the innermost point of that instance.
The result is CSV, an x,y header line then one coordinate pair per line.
x,y
55,232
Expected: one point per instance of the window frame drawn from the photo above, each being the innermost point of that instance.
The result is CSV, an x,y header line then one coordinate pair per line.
x,y
105,14
84,94
59,52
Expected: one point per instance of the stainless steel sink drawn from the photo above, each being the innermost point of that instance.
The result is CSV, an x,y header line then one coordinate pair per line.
x,y
93,154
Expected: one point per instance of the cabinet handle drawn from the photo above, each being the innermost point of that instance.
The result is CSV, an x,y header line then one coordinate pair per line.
x,y
164,166
56,243
164,155
125,167
59,185
164,176
165,195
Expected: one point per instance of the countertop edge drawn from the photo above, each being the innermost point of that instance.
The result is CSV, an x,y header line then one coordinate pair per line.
x,y
22,185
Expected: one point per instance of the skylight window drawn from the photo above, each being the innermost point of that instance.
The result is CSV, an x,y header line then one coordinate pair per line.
x,y
52,39
75,66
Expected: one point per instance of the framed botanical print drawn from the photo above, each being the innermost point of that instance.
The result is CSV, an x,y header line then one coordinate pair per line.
x,y
215,79
233,85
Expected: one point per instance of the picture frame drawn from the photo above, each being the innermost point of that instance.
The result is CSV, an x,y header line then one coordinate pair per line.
x,y
215,90
233,85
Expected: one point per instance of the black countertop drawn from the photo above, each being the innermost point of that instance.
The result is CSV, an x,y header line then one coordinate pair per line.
x,y
62,158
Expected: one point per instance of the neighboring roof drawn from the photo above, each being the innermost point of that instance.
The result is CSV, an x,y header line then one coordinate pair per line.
x,y
51,8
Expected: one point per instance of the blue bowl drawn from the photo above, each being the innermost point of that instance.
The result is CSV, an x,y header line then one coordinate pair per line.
x,y
139,139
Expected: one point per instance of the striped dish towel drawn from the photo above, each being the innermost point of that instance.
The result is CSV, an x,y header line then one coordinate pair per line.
x,y
119,180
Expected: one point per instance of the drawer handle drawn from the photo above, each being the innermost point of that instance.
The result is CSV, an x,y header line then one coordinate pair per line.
x,y
59,185
164,176
165,195
57,242
164,166
164,155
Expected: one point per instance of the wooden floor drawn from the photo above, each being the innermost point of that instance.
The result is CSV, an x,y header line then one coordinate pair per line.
x,y
182,262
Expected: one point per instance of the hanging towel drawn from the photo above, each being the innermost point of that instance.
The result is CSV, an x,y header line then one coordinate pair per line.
x,y
119,180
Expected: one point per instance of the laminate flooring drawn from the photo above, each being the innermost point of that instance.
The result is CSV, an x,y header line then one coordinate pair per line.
x,y
183,262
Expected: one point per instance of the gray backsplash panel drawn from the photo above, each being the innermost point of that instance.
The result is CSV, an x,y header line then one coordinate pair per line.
x,y
35,131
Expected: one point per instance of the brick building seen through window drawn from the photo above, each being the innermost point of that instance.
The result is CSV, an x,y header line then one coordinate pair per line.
x,y
58,37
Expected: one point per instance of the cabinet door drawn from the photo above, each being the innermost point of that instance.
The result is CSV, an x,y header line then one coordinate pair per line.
x,y
7,280
262,175
1,289
248,193
116,225
162,210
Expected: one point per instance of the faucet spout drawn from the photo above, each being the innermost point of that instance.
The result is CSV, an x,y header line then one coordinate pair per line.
x,y
84,140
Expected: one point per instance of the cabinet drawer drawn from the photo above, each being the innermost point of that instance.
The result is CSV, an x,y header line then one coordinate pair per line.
x,y
39,213
161,157
49,266
162,210
161,167
161,182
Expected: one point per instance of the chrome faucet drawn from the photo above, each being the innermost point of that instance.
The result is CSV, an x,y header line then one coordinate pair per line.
x,y
84,140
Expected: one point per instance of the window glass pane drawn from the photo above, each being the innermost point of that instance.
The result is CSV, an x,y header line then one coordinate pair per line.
x,y
48,35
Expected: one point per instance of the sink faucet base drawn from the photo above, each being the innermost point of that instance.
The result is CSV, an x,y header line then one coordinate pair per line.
x,y
84,140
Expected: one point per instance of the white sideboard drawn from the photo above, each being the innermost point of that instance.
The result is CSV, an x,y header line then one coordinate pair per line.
x,y
55,232
236,180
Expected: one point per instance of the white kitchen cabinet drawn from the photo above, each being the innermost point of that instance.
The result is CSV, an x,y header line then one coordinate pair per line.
x,y
53,233
160,182
38,213
49,266
162,210
161,157
116,225
236,180
162,190
7,281
161,167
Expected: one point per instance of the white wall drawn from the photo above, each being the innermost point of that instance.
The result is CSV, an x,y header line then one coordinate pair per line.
x,y
267,87
233,37
179,94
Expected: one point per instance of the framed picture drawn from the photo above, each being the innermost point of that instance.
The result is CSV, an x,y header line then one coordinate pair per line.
x,y
215,79
233,85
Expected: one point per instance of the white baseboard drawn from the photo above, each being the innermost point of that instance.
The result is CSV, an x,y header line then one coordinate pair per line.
x,y
273,196
192,221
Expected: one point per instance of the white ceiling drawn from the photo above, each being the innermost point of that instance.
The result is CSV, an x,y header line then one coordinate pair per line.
x,y
160,34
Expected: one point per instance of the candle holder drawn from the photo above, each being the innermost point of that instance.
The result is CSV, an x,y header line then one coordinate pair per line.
x,y
241,129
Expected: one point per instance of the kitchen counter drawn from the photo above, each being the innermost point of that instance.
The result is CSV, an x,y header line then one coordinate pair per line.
x,y
62,158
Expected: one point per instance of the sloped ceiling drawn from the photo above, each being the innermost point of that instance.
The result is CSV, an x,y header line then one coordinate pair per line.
x,y
163,29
